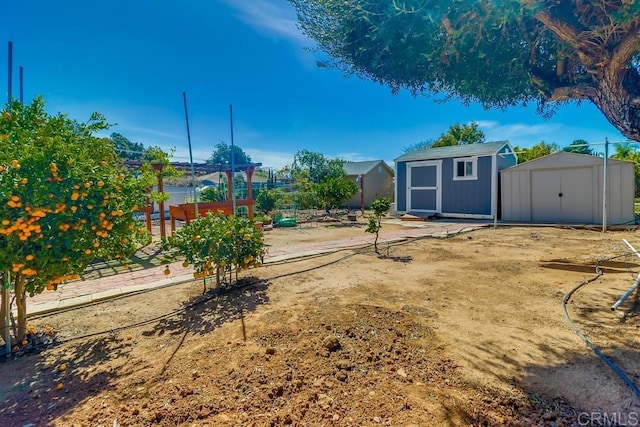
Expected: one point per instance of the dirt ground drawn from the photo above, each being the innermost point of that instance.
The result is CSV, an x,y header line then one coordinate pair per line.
x,y
467,330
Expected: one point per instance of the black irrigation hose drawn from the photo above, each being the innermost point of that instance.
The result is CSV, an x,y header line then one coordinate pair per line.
x,y
586,340
214,293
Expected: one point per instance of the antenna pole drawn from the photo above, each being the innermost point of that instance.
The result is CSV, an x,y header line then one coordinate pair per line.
x,y
10,75
233,163
193,171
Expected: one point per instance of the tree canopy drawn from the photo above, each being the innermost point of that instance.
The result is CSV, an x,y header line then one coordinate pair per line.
x,y
316,166
579,146
457,134
67,200
499,53
222,155
325,177
539,150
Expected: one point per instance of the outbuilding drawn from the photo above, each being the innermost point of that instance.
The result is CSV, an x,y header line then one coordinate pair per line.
x,y
568,188
458,181
374,179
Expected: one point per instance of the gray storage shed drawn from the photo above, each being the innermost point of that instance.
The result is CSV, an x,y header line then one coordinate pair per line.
x,y
567,188
457,181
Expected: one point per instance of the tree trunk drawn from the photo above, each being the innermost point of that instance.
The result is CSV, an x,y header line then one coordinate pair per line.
x,y
4,300
21,304
619,106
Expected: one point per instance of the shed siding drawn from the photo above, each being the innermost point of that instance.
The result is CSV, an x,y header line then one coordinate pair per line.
x,y
506,161
401,186
467,197
376,184
620,192
513,185
580,182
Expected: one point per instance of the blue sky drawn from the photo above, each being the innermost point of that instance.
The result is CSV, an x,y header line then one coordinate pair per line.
x,y
131,60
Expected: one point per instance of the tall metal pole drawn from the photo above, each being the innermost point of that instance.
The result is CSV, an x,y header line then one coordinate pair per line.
x,y
233,164
193,170
6,294
21,84
10,75
605,219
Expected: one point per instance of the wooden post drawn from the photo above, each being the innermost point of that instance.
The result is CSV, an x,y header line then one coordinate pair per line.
x,y
158,167
147,210
229,188
362,194
250,171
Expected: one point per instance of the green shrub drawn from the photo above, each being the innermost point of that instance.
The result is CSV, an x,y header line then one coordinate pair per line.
x,y
220,244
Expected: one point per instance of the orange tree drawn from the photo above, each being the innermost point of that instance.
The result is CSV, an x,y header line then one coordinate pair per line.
x,y
66,200
219,243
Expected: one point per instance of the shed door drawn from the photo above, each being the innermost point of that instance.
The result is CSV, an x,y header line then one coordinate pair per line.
x,y
562,195
424,182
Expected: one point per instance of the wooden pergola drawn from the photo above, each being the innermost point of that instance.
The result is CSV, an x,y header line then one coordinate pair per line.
x,y
186,211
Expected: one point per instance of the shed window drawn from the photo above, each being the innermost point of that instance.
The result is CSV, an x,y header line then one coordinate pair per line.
x,y
465,168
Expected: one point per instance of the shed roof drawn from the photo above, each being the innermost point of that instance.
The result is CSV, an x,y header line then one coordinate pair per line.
x,y
363,168
563,159
484,149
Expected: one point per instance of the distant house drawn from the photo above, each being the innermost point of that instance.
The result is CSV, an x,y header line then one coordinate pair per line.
x,y
457,181
374,179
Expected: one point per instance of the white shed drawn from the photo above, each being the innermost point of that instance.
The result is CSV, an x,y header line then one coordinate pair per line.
x,y
567,188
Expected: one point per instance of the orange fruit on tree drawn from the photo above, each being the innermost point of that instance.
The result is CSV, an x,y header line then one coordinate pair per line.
x,y
100,183
87,251
29,257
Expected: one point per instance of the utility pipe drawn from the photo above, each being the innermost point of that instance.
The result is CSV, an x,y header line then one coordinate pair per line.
x,y
633,287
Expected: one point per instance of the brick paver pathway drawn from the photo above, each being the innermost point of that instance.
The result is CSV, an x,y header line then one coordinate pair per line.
x,y
82,291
